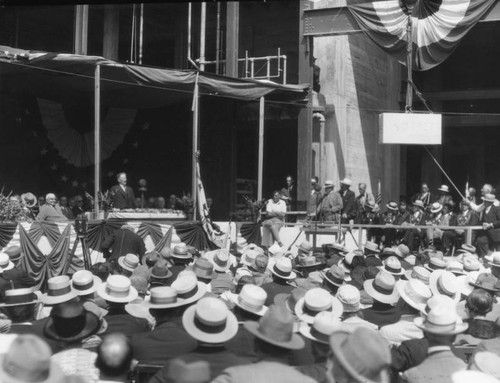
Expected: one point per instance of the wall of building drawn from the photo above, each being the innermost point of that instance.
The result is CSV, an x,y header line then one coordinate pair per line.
x,y
358,80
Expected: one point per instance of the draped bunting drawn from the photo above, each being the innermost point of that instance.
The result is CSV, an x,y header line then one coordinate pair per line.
x,y
165,241
7,231
437,27
97,232
192,234
152,229
42,267
47,229
251,232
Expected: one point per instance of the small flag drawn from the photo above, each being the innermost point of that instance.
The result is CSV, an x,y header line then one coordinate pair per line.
x,y
203,208
467,194
378,198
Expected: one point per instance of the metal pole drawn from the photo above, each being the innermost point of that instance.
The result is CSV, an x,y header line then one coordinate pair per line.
x,y
217,41
202,35
97,137
261,149
141,32
195,146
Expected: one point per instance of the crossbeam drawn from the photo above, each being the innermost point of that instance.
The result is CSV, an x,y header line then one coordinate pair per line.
x,y
335,21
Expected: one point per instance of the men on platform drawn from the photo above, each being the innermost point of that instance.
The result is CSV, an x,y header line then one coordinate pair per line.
x,y
331,204
51,211
362,200
444,196
122,196
424,195
78,209
174,203
12,276
63,203
123,241
289,194
348,200
490,218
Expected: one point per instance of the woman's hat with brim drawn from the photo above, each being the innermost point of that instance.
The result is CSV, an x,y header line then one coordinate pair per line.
x,y
19,297
443,282
29,360
129,262
84,282
315,301
210,321
58,290
70,322
276,328
415,293
325,323
117,289
181,251
382,288
488,197
163,297
251,298
441,321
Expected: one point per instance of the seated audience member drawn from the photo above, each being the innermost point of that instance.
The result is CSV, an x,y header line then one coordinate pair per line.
x,y
282,274
20,307
51,211
352,317
333,279
383,291
180,257
12,276
114,358
184,370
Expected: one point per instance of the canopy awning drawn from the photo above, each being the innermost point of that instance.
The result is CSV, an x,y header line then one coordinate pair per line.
x,y
70,78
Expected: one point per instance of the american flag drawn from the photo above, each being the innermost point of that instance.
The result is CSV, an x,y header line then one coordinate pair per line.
x,y
378,197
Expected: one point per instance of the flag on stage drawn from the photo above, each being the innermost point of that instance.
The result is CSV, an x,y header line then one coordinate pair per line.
x,y
206,223
378,198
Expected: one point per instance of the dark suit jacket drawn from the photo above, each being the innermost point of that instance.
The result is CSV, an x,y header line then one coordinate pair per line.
x,y
120,321
493,216
349,203
272,289
122,199
168,340
18,328
122,242
408,354
19,277
381,314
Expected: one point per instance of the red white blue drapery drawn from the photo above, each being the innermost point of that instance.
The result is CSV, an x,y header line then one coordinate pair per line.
x,y
437,26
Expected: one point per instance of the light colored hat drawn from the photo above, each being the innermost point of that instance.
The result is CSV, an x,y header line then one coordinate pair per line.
x,y
276,328
210,321
436,207
204,269
471,263
371,246
241,244
420,273
441,321
324,324
180,371
58,290
28,360
84,282
466,282
455,267
488,197
392,266
163,297
315,301
414,292
435,263
467,248
350,298
382,288
471,376
241,272
419,203
392,205
252,298
444,188
340,248
129,262
117,289
329,184
274,249
181,251
487,362
346,181
283,269
307,261
305,246
221,259
19,297
402,250
493,259
335,275
5,262
443,282
189,288
440,301
248,257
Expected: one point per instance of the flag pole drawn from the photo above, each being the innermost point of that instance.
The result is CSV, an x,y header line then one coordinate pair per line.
x,y
97,137
196,121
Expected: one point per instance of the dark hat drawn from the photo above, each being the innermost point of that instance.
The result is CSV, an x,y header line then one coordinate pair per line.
x,y
204,269
160,271
487,282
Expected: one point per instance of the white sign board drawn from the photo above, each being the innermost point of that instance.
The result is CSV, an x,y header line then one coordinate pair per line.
x,y
410,128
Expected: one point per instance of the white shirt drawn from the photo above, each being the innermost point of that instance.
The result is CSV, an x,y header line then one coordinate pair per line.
x,y
276,207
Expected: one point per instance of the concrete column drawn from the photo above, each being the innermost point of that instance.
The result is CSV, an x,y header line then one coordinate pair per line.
x,y
111,31
232,37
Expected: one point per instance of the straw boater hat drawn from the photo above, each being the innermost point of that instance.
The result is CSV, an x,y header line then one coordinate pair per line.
x,y
419,204
392,266
315,301
435,263
436,207
19,297
29,360
441,321
5,262
189,288
350,298
466,282
163,297
84,282
58,290
420,273
487,362
487,282
467,249
493,259
346,181
324,324
371,246
248,257
276,328
204,269
455,267
308,261
117,289
443,282
444,188
382,288
181,251
251,298
221,259
283,269
335,275
488,197
363,354
129,262
339,248
305,246
210,321
414,292
392,205
471,263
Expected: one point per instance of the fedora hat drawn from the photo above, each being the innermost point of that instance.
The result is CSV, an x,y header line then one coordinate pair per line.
x,y
488,197
420,273
443,282
5,262
204,269
210,321
466,282
305,246
221,259
440,320
419,204
248,257
117,289
382,288
436,207
163,297
58,290
181,251
371,246
70,322
392,205
276,327
346,181
315,301
324,324
283,269
392,266
251,298
435,263
335,275
444,188
487,282
363,354
28,360
129,262
196,371
329,184
455,267
160,271
289,301
369,204
402,250
189,288
414,292
350,298
84,282
14,253
19,297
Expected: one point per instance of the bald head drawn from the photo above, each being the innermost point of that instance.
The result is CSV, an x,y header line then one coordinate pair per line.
x,y
50,199
114,356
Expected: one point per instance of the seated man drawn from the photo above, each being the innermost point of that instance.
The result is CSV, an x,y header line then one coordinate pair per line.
x,y
276,211
51,211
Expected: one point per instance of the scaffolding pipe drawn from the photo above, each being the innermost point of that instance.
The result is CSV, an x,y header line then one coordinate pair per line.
x,y
261,149
97,137
202,34
246,63
196,121
141,32
132,38
190,12
217,41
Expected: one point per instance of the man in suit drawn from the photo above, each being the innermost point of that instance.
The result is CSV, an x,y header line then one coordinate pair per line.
x,y
331,204
362,200
122,196
13,276
123,241
63,204
348,200
19,306
50,211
